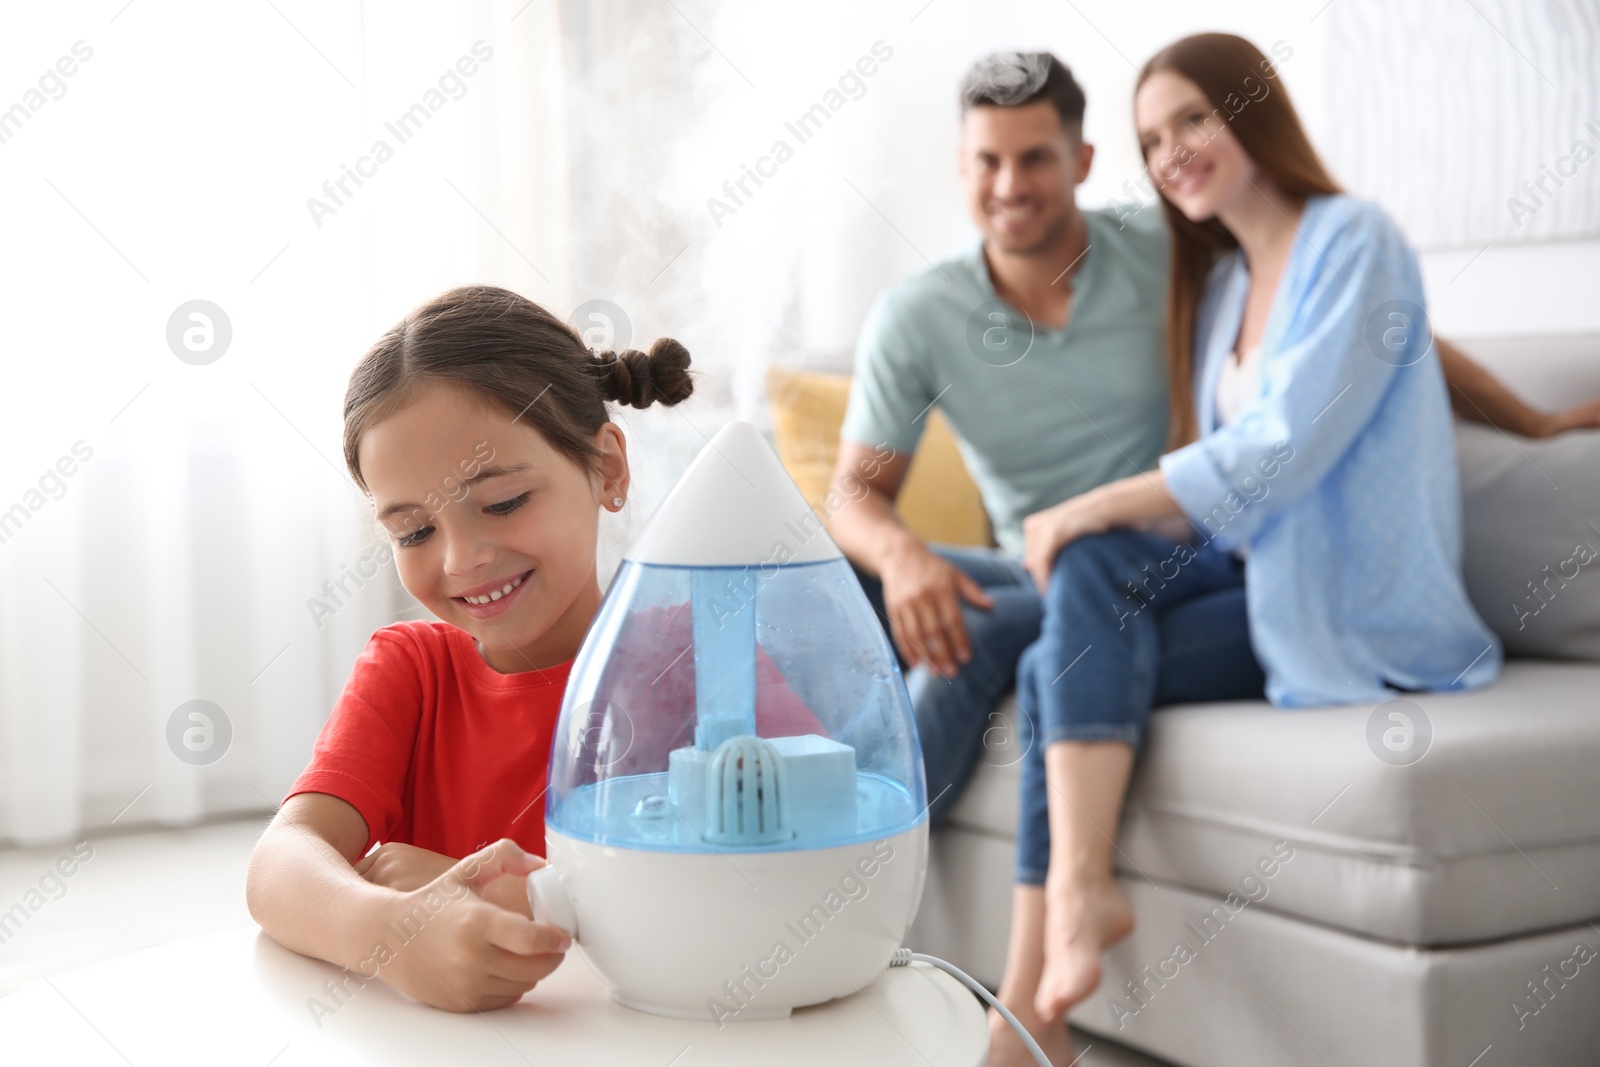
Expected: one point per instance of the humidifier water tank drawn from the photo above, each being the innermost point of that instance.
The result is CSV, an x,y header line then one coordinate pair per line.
x,y
737,820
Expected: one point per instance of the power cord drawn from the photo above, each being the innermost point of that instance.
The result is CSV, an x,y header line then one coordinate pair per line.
x,y
904,957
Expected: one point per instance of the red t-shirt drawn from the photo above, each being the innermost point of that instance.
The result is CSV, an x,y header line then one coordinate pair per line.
x,y
437,749
434,747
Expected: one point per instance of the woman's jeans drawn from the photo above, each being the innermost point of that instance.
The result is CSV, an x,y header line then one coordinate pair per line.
x,y
1132,620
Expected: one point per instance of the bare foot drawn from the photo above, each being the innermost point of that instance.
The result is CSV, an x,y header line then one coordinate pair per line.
x,y
1005,1045
1083,917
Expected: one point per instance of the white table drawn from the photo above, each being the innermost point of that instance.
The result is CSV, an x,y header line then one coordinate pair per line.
x,y
240,998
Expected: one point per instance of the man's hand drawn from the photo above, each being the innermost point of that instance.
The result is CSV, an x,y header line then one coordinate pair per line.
x,y
1045,533
922,595
1479,396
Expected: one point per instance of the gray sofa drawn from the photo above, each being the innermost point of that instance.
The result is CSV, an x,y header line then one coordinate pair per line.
x,y
1342,886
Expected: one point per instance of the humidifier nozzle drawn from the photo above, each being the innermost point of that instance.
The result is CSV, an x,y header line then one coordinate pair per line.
x,y
550,902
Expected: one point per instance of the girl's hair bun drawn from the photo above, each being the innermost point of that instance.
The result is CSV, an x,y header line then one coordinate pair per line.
x,y
639,380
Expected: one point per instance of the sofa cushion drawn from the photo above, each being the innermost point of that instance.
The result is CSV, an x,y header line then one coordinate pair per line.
x,y
938,501
1551,372
1531,522
1320,996
1494,831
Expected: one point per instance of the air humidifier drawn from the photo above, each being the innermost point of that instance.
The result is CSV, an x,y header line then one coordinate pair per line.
x,y
736,823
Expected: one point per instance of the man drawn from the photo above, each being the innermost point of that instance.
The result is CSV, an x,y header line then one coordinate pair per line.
x,y
1043,347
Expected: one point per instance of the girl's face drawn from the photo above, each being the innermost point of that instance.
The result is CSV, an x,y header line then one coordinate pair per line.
x,y
474,502
1193,157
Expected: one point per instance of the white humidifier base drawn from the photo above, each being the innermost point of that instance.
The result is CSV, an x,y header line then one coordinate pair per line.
x,y
733,935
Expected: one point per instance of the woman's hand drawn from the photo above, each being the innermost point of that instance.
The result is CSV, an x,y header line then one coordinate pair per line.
x,y
1047,532
461,952
1138,500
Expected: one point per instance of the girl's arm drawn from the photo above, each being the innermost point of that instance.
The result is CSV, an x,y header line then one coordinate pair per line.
x,y
443,944
301,887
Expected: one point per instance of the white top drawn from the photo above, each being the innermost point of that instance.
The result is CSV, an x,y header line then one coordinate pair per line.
x,y
1238,383
240,997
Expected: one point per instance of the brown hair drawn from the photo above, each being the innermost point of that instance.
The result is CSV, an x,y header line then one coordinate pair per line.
x,y
1222,66
518,358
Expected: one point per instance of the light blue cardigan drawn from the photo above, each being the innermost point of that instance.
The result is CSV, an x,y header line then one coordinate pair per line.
x,y
1340,476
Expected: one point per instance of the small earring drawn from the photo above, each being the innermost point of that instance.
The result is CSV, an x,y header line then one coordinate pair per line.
x,y
616,501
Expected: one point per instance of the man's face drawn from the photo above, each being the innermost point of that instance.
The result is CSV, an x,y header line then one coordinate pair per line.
x,y
1019,170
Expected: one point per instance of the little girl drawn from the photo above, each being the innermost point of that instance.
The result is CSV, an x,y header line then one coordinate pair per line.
x,y
478,427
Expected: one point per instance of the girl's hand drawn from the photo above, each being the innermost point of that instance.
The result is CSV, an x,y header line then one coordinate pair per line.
x,y
451,948
401,866
407,867
1045,533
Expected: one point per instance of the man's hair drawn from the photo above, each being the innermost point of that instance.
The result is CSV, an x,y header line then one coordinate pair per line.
x,y
1013,79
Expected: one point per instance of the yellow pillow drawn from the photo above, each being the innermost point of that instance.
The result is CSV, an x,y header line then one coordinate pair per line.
x,y
938,500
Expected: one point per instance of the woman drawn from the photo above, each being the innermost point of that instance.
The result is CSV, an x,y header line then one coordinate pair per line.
x,y
1312,457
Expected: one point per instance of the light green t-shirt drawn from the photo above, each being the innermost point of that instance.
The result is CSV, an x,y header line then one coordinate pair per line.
x,y
1041,415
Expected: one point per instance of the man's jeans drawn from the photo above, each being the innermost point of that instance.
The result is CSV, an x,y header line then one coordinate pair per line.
x,y
956,717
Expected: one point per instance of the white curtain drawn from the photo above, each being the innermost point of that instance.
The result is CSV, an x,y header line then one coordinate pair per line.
x,y
166,527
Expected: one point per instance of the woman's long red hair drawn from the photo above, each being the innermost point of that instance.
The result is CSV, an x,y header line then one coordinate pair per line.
x,y
1225,68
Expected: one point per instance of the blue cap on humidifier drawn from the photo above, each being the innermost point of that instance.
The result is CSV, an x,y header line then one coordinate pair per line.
x,y
796,732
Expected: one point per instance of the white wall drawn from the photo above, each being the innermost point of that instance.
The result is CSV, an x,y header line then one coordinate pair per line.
x,y
875,196
898,149
1518,290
